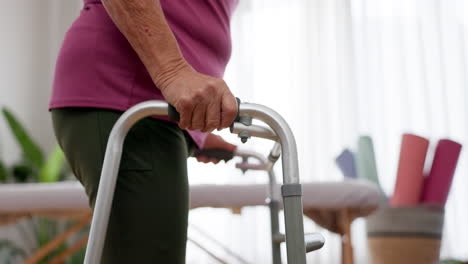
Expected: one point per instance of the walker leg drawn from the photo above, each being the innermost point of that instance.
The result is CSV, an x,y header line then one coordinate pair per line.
x,y
274,221
295,244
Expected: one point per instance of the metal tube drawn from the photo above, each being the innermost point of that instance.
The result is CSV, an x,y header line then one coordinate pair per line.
x,y
251,154
275,151
272,187
254,131
248,166
109,173
274,155
274,206
314,241
295,245
285,136
293,221
262,165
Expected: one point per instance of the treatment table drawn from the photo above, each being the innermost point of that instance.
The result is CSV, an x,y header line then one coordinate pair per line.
x,y
332,205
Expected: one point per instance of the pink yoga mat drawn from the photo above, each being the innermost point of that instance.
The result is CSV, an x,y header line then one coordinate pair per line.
x,y
410,178
437,184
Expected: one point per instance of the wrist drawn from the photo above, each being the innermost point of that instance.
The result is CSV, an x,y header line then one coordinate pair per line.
x,y
168,72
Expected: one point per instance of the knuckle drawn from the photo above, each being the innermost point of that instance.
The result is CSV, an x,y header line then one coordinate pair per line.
x,y
185,103
211,87
198,95
212,82
184,99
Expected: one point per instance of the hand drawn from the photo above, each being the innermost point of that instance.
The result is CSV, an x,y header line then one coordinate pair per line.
x,y
215,142
204,103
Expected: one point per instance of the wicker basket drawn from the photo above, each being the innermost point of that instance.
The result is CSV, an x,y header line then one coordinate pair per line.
x,y
405,235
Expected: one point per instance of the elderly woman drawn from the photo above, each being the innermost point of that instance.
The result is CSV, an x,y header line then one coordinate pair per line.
x,y
119,53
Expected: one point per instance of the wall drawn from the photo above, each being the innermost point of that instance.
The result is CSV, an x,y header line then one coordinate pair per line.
x,y
31,35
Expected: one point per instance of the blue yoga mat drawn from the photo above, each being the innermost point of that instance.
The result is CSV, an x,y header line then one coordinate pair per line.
x,y
347,164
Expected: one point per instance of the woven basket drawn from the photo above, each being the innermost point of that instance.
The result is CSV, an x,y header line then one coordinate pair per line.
x,y
405,235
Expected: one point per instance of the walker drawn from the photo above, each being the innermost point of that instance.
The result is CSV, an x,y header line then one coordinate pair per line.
x,y
313,241
297,244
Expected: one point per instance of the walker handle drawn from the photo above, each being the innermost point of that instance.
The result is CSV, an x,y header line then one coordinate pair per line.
x,y
175,116
172,113
215,153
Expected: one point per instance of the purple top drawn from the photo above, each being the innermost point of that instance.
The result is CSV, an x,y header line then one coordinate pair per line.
x,y
97,67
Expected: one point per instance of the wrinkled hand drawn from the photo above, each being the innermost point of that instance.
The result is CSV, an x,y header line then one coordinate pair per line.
x,y
215,142
204,103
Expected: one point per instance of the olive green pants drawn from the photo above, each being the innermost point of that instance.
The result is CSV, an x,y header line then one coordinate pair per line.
x,y
148,221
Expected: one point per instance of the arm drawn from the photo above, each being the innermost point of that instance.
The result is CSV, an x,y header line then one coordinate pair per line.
x,y
204,103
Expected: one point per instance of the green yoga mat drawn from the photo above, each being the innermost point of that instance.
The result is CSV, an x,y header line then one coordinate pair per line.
x,y
365,159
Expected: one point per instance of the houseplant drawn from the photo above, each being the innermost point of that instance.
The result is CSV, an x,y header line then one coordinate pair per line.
x,y
33,166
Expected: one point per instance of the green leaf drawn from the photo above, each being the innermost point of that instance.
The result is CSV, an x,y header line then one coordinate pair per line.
x,y
451,261
31,150
50,172
78,257
3,172
22,172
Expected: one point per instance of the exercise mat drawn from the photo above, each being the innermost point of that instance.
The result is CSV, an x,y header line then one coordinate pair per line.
x,y
410,177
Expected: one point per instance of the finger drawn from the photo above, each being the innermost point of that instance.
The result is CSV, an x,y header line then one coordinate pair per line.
x,y
229,147
185,109
228,110
215,161
198,117
202,159
213,115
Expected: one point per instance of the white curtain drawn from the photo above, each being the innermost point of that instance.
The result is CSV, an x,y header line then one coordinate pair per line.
x,y
342,68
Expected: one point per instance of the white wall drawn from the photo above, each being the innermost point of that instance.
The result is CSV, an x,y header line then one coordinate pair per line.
x,y
31,32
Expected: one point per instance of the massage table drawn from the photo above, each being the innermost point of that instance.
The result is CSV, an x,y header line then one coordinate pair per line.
x,y
332,205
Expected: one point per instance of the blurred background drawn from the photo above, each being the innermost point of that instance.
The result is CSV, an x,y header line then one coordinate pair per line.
x,y
334,69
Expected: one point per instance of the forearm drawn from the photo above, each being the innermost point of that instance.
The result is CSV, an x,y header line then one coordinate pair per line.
x,y
143,23
204,102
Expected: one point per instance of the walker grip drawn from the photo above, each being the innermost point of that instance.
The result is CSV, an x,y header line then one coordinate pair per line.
x,y
173,114
219,154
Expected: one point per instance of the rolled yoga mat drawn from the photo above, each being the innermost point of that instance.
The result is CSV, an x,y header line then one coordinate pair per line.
x,y
347,164
410,178
365,160
437,183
